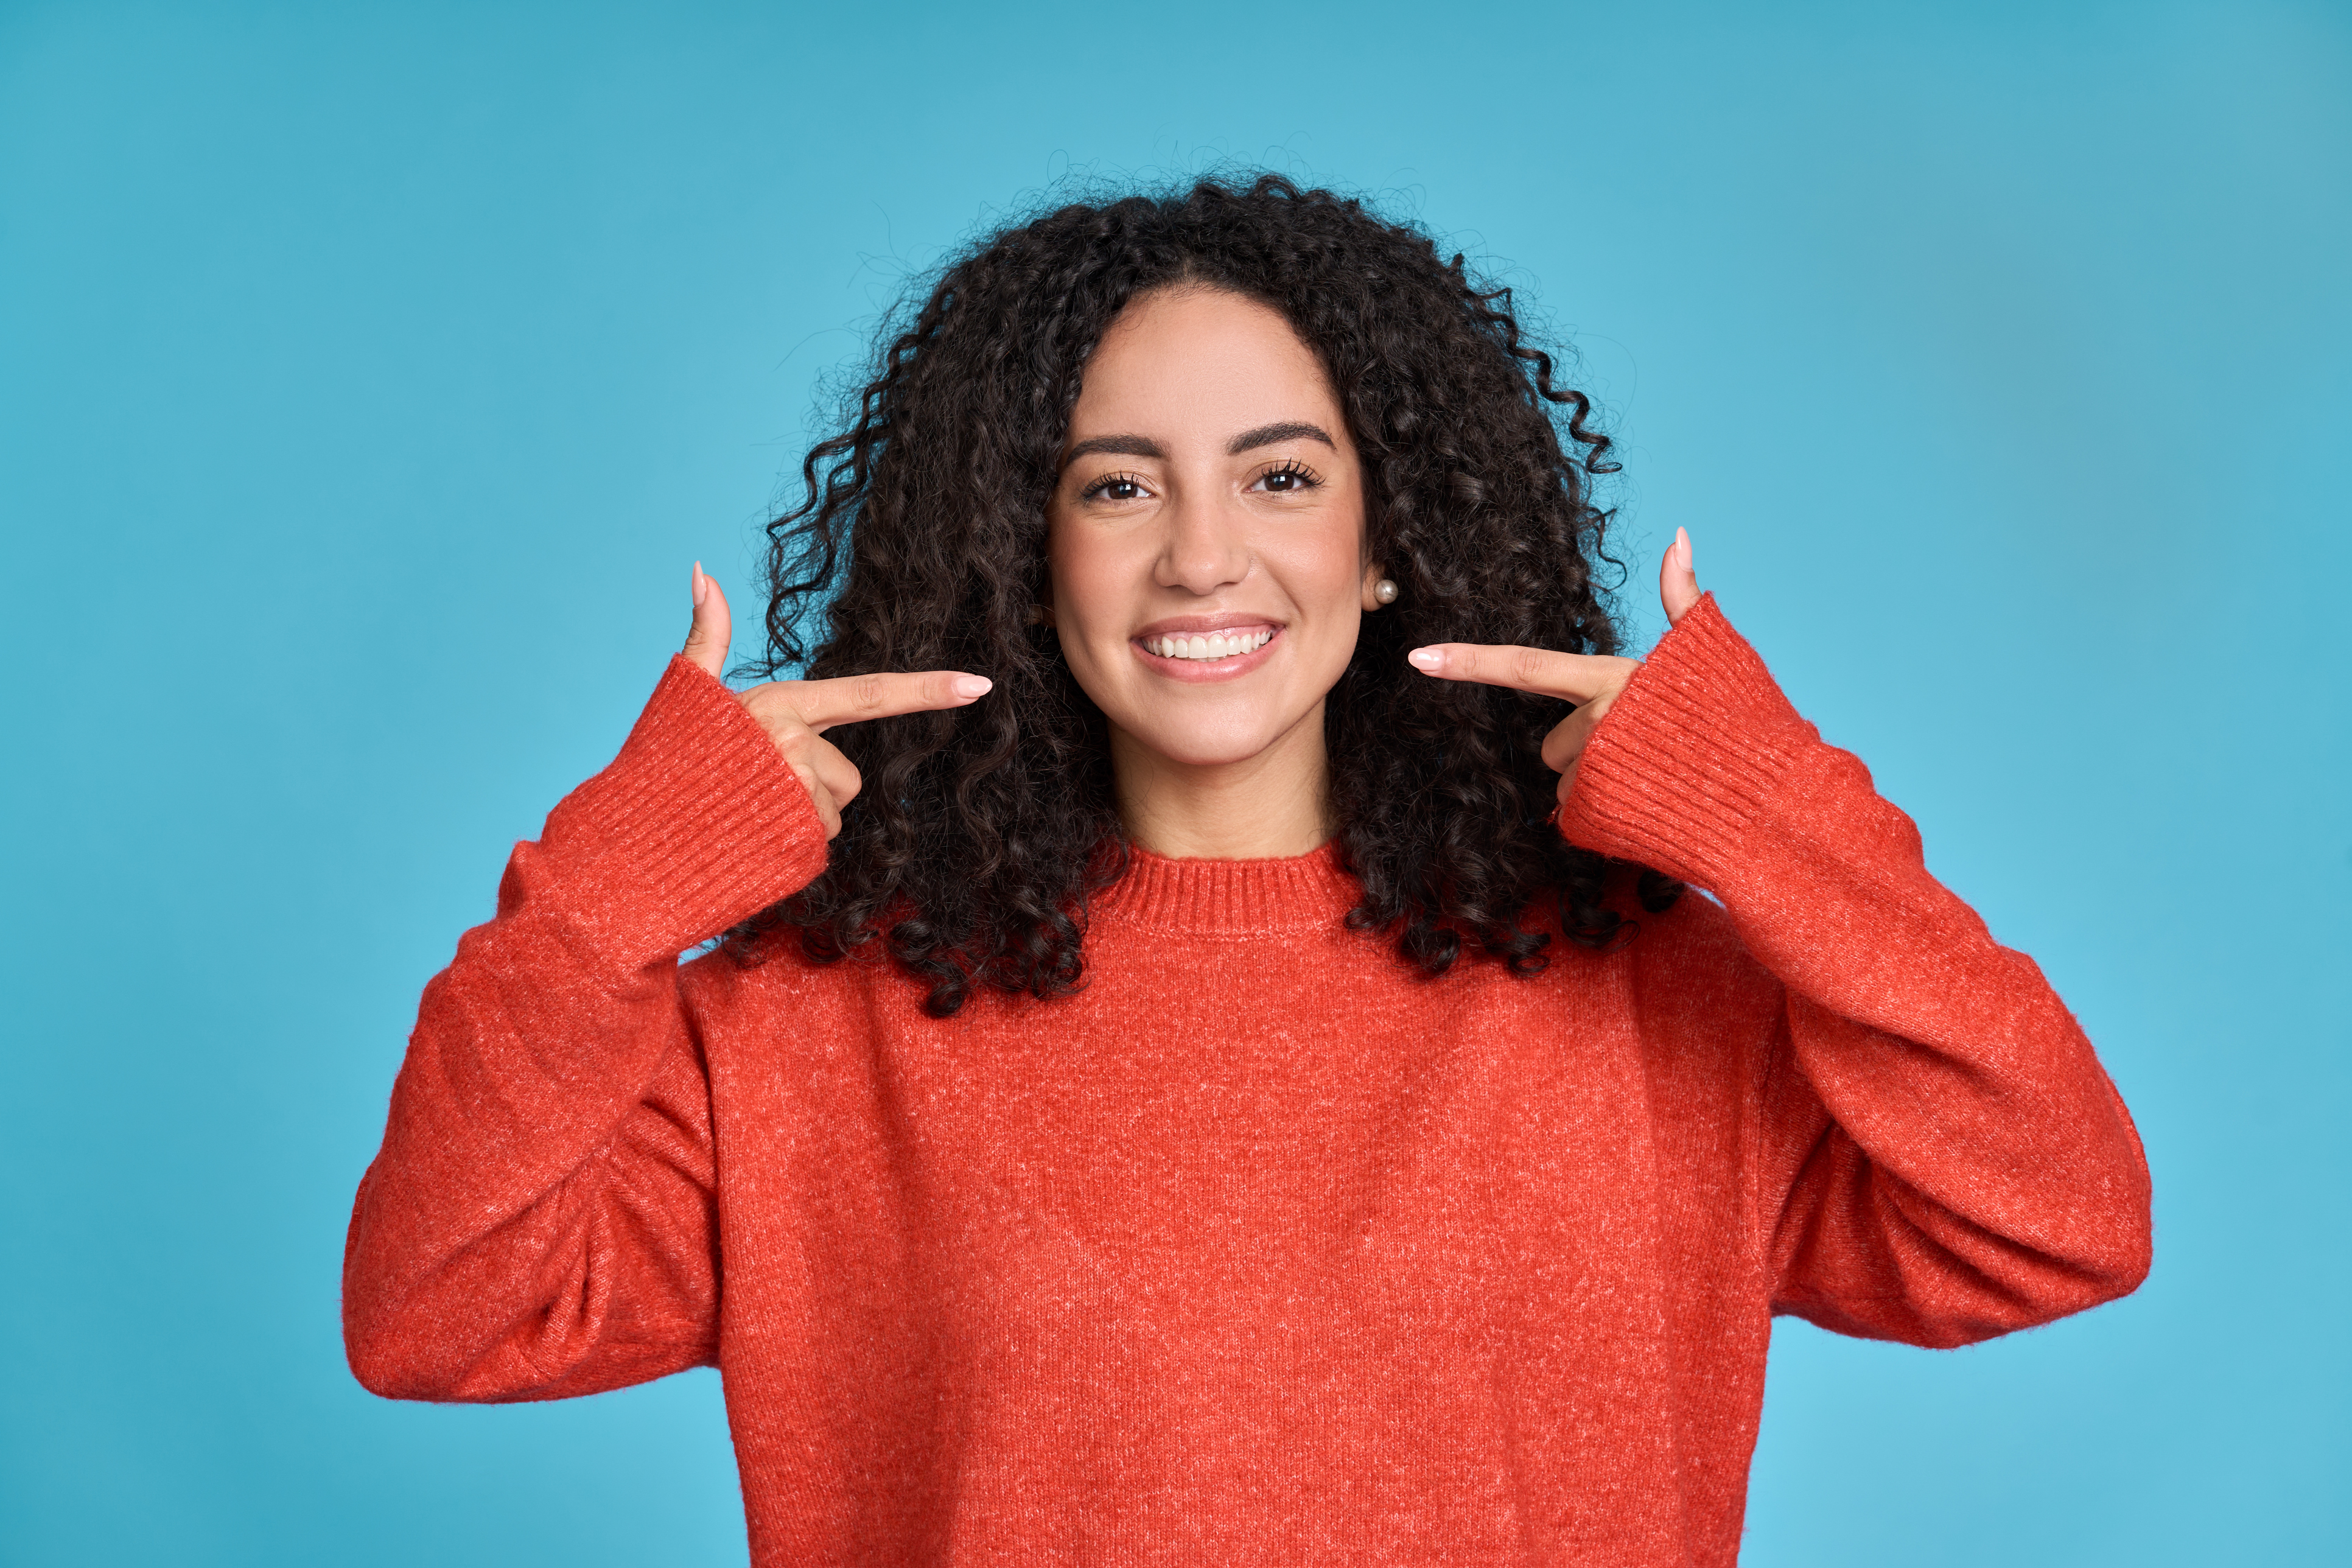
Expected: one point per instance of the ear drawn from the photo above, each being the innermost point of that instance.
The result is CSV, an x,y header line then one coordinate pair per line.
x,y
1373,573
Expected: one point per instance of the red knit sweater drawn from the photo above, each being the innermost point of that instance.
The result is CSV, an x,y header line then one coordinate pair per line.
x,y
1263,1248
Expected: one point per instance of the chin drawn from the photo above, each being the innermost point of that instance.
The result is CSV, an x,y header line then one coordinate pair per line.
x,y
1194,745
1193,752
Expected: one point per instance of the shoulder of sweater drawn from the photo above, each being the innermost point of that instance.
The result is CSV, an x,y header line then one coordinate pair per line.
x,y
776,965
1695,933
1694,941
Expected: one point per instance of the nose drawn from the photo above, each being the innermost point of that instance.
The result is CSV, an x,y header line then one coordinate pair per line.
x,y
1206,546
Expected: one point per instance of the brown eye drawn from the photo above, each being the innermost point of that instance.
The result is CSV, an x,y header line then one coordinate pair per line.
x,y
1287,479
1114,487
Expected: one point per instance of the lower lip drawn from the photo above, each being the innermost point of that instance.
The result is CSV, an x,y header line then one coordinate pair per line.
x,y
1206,669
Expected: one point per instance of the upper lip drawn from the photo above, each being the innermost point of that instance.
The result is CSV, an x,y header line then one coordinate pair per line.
x,y
1201,626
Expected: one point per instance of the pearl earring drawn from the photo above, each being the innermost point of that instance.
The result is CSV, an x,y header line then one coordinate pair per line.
x,y
1385,591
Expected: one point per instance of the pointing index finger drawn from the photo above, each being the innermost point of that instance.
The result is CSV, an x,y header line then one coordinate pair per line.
x,y
1547,672
847,699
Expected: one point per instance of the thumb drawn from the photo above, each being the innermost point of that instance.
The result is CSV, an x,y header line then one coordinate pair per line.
x,y
1677,582
707,639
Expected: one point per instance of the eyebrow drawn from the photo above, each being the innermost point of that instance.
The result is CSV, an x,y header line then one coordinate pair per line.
x,y
1248,440
1121,445
1267,435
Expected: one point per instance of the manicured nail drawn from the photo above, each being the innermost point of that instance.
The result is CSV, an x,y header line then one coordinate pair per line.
x,y
701,585
973,685
1427,659
1682,538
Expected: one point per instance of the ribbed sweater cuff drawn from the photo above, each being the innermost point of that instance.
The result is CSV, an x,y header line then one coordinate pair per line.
x,y
697,823
1682,764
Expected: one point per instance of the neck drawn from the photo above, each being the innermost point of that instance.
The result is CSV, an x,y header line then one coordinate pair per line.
x,y
1271,806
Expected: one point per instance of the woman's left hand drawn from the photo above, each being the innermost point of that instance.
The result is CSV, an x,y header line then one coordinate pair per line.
x,y
1591,681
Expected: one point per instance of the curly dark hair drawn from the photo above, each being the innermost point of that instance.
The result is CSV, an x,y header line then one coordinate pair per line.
x,y
979,835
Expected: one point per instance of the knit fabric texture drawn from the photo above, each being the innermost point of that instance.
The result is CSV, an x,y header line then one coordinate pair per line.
x,y
1264,1248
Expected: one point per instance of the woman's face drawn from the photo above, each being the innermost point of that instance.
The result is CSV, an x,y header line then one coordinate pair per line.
x,y
1207,533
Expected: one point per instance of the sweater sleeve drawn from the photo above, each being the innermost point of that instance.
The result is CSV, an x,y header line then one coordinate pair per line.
x,y
1940,1157
539,1220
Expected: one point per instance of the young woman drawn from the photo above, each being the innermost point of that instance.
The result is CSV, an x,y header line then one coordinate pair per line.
x,y
1212,1059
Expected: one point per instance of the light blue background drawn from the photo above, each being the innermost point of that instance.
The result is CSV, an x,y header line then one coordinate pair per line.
x,y
369,377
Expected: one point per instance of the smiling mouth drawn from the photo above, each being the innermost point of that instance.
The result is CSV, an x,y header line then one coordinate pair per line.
x,y
1209,647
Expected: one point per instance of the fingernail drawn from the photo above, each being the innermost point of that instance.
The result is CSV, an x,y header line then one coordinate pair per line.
x,y
973,685
1682,537
1427,659
701,585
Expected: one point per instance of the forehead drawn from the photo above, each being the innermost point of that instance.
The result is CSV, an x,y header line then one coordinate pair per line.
x,y
1199,361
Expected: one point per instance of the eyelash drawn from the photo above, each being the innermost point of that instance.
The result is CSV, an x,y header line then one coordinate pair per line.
x,y
1307,480
1094,491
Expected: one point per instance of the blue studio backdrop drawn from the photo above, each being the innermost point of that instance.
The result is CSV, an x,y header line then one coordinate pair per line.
x,y
371,376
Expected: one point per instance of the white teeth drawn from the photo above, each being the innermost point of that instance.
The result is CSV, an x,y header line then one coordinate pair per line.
x,y
1214,645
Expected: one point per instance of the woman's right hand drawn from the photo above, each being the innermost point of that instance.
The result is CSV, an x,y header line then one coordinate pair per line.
x,y
797,713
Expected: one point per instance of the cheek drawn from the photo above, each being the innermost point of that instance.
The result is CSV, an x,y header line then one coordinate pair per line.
x,y
1324,566
1083,577
1092,588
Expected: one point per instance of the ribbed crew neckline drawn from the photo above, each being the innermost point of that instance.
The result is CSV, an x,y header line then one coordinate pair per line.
x,y
1232,898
